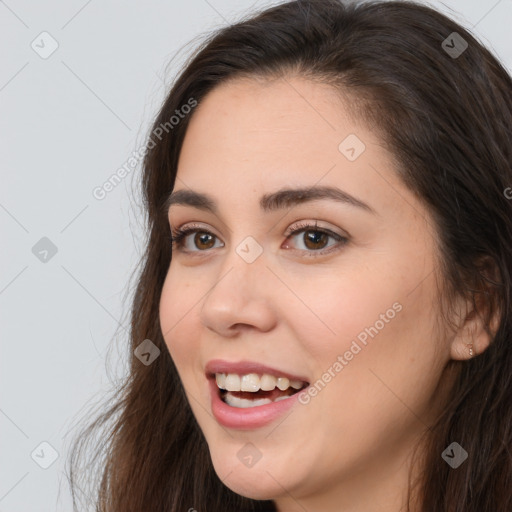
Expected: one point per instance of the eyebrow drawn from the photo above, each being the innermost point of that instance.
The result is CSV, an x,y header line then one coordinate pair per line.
x,y
281,199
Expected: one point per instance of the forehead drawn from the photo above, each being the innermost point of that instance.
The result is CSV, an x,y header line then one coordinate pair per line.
x,y
250,111
249,137
279,126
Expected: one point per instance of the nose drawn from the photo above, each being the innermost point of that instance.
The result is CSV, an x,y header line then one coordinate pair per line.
x,y
241,298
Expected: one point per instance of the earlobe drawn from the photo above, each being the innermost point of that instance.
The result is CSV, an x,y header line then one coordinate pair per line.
x,y
478,319
472,339
461,351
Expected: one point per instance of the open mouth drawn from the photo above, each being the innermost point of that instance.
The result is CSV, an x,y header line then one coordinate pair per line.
x,y
253,390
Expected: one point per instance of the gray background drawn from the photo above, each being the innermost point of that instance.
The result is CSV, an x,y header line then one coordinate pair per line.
x,y
67,123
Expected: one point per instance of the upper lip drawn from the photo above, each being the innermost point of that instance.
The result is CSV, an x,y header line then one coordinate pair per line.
x,y
244,367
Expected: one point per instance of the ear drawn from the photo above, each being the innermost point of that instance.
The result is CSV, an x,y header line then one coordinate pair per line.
x,y
478,323
472,338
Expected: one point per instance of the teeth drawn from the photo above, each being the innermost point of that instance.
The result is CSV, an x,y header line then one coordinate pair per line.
x,y
267,382
221,380
232,382
250,382
283,383
244,403
253,382
296,384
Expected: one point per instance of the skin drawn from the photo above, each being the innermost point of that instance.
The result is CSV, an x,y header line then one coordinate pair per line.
x,y
349,448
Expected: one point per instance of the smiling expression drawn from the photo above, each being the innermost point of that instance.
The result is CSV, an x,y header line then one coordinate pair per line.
x,y
272,281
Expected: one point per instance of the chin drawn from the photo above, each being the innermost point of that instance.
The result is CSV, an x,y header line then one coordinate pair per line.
x,y
256,486
260,482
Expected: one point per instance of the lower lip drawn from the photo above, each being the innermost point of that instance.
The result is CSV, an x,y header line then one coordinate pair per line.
x,y
250,417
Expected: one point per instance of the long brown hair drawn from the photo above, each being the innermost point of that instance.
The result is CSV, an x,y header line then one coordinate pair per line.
x,y
447,119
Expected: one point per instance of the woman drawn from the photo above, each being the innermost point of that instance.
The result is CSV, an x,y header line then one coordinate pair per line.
x,y
325,299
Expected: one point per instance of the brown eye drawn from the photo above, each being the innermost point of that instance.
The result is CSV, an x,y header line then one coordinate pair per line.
x,y
201,241
315,239
204,240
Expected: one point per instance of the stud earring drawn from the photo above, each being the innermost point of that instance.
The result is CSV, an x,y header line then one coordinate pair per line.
x,y
470,349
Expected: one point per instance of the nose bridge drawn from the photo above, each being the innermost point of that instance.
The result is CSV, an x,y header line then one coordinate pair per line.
x,y
243,268
240,294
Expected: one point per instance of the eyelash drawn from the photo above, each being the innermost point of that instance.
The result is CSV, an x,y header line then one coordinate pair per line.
x,y
179,234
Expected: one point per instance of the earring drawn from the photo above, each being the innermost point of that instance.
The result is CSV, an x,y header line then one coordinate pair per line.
x,y
470,349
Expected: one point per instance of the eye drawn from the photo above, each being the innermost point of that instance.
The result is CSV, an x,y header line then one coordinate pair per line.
x,y
314,239
203,238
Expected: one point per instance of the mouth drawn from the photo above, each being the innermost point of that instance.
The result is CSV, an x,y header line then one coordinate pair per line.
x,y
254,390
248,395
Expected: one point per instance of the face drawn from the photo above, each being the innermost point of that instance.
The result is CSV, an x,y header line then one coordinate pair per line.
x,y
335,293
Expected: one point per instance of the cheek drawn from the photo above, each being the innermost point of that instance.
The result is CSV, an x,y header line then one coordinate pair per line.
x,y
371,338
337,308
383,298
389,367
176,317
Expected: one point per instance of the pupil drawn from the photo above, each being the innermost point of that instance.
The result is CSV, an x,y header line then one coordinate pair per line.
x,y
202,237
311,237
